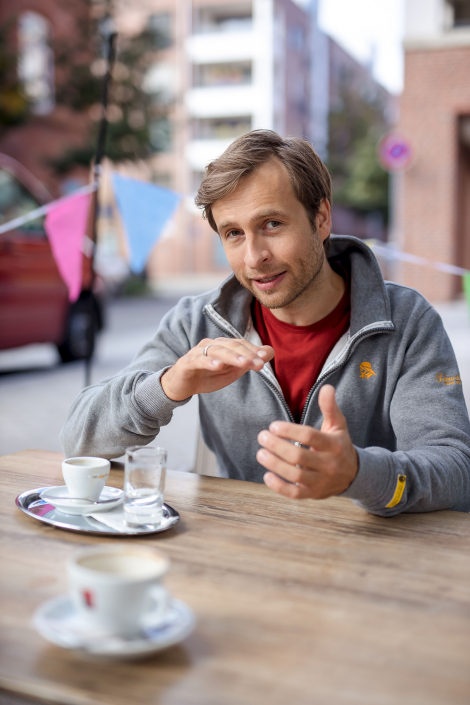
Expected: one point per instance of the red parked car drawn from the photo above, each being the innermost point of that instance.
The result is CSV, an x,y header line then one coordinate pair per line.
x,y
34,303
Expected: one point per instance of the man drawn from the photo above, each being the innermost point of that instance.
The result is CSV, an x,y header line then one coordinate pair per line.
x,y
384,431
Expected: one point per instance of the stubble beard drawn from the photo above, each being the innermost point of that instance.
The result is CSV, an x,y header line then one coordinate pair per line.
x,y
307,277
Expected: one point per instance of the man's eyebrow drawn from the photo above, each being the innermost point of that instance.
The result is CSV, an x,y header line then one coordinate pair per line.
x,y
226,224
269,213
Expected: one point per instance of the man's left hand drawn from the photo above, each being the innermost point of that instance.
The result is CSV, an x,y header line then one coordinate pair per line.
x,y
326,467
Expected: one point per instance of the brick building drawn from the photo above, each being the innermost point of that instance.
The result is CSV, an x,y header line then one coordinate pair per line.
x,y
433,196
35,26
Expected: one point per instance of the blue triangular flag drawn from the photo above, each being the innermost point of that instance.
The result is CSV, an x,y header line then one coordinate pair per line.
x,y
144,209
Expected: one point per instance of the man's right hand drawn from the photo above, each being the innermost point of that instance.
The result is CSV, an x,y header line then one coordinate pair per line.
x,y
227,360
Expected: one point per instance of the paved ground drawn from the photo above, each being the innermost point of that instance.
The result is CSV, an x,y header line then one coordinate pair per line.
x,y
36,391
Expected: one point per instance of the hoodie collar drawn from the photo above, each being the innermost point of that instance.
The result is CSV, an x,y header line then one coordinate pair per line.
x,y
370,303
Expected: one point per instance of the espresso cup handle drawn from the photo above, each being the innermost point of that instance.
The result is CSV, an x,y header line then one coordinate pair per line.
x,y
160,595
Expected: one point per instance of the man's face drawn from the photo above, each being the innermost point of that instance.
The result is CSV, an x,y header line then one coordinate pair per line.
x,y
269,241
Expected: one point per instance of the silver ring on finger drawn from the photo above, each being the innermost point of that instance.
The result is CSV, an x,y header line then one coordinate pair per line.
x,y
204,352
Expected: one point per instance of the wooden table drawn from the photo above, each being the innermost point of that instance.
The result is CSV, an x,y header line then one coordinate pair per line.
x,y
306,603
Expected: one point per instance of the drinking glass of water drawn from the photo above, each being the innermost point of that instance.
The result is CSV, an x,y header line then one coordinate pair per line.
x,y
144,484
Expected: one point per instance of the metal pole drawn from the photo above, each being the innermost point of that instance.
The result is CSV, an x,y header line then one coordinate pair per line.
x,y
100,147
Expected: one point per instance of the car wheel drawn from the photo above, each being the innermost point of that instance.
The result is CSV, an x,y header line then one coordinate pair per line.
x,y
80,335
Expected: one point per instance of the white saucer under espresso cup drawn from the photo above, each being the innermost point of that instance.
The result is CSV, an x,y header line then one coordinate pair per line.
x,y
114,586
85,477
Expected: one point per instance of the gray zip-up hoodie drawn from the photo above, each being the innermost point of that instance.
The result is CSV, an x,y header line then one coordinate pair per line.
x,y
396,380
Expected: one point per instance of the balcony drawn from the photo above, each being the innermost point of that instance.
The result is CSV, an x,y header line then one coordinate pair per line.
x,y
221,101
200,152
221,47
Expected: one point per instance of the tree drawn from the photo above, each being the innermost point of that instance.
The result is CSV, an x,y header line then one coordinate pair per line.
x,y
366,185
14,105
355,127
136,118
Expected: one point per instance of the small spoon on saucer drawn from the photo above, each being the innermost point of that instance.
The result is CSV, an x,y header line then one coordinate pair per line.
x,y
80,499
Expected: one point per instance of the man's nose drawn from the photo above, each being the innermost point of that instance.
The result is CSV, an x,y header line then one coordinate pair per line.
x,y
256,253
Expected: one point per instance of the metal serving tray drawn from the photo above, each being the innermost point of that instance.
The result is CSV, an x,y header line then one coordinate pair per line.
x,y
31,503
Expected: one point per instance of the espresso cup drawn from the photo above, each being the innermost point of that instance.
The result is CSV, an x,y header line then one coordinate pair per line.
x,y
85,477
115,587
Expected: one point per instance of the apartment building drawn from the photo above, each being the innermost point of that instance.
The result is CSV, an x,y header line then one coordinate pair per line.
x,y
230,67
433,200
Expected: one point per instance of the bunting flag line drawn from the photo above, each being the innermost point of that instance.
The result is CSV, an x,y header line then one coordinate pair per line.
x,y
391,253
38,212
66,225
145,209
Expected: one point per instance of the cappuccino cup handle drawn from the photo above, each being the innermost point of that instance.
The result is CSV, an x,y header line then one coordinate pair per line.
x,y
160,598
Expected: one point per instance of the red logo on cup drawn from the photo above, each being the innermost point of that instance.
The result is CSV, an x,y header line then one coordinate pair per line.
x,y
88,597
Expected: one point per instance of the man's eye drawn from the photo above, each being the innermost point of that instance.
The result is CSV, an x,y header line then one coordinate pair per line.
x,y
273,223
232,233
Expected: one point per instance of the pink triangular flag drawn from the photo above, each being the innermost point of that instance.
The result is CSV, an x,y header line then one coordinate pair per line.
x,y
66,226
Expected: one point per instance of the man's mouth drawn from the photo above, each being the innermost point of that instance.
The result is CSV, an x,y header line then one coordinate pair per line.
x,y
266,283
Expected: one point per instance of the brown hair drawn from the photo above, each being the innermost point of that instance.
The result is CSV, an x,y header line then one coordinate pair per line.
x,y
309,177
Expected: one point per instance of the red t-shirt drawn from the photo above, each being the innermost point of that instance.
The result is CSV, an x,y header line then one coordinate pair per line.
x,y
300,351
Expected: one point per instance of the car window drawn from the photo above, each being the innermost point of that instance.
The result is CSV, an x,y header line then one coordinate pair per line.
x,y
15,200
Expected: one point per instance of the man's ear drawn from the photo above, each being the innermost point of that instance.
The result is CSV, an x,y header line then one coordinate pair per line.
x,y
323,219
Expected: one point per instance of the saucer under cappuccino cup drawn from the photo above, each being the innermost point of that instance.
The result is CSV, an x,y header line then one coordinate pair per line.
x,y
85,477
113,588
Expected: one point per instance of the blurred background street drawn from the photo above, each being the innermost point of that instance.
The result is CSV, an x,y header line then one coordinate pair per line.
x,y
36,391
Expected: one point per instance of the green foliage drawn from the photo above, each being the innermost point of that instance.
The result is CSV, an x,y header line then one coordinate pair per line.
x,y
138,122
355,127
466,289
136,285
366,183
14,105
132,112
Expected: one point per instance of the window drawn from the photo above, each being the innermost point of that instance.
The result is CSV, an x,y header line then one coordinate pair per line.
x,y
15,201
295,38
36,61
162,179
160,80
160,27
227,74
160,135
220,128
196,180
228,18
461,11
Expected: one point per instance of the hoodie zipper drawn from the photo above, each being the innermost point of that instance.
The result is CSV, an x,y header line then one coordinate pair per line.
x,y
233,333
365,332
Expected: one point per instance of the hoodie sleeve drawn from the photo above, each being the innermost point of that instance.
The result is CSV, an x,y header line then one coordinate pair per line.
x,y
131,407
430,468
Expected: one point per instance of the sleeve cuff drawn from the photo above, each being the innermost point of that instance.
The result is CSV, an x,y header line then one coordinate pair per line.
x,y
374,483
152,400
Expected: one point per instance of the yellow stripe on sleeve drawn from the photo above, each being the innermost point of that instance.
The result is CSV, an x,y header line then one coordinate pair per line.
x,y
400,488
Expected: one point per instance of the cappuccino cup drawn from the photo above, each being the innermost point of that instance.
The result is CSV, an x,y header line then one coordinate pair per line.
x,y
85,477
114,588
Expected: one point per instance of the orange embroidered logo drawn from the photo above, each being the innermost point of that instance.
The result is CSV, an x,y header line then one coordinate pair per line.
x,y
448,380
366,370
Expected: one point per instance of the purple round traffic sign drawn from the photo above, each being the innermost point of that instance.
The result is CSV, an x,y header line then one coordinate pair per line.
x,y
394,153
